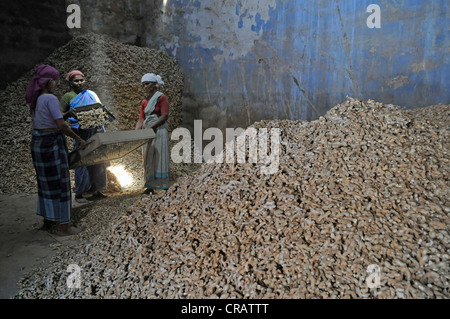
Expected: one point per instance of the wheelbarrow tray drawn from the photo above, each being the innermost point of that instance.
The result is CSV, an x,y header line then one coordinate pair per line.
x,y
105,147
90,107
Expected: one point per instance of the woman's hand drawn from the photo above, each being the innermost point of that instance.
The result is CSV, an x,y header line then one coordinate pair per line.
x,y
66,130
161,120
81,144
139,124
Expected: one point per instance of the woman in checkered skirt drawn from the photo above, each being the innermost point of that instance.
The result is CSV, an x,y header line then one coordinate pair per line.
x,y
49,150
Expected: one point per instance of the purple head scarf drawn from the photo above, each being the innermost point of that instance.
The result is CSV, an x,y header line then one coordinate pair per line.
x,y
42,75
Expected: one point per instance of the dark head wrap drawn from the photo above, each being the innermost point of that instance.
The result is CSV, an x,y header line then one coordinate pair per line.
x,y
42,75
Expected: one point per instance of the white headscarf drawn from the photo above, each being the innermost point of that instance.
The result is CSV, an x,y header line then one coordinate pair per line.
x,y
152,77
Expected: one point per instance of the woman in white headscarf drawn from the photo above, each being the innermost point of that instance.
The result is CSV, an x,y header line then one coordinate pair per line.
x,y
154,114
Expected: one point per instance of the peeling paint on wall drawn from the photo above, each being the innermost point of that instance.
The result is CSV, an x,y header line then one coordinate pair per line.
x,y
398,81
295,59
229,28
249,60
424,65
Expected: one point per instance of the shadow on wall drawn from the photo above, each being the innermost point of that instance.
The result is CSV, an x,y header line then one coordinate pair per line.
x,y
31,30
210,115
125,21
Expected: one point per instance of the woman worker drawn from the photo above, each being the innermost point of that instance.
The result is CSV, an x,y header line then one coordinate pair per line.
x,y
88,179
154,115
49,150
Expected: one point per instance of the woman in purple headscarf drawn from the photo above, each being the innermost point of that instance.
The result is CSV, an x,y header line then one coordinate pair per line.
x,y
49,150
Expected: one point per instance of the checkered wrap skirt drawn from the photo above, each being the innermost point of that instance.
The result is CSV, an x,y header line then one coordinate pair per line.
x,y
49,153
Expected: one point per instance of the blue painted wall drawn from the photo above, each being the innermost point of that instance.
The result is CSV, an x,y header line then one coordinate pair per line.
x,y
245,61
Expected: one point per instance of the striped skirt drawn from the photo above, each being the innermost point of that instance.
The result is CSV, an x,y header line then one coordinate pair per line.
x,y
49,154
157,159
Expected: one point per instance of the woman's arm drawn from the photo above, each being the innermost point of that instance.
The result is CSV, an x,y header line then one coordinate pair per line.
x,y
139,124
64,105
63,127
164,109
160,121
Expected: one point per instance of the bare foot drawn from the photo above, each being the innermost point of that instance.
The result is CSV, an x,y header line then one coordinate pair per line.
x,y
65,230
48,224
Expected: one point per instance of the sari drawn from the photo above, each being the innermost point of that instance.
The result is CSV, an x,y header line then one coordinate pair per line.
x,y
88,179
156,152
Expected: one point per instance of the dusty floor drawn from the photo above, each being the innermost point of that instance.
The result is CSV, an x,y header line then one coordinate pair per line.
x,y
24,246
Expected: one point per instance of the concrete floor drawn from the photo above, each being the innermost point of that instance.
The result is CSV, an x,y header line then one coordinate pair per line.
x,y
23,246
